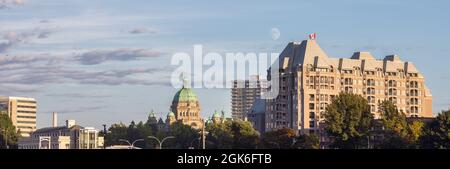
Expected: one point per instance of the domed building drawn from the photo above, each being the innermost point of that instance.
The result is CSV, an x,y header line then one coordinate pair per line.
x,y
186,108
216,118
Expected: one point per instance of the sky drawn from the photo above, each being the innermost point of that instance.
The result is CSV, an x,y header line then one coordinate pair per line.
x,y
108,61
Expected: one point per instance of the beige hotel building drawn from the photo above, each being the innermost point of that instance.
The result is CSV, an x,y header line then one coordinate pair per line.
x,y
22,111
309,79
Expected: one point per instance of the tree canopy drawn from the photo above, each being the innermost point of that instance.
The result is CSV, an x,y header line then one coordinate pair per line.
x,y
437,133
348,121
236,134
8,132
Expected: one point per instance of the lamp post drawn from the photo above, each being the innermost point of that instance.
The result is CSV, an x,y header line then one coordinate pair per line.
x,y
104,135
131,144
203,133
160,141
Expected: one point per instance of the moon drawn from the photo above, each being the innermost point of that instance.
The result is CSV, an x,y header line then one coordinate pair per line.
x,y
275,33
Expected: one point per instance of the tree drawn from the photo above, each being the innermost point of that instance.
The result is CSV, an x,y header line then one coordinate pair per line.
x,y
245,136
398,132
116,132
307,141
437,133
8,132
184,135
415,131
395,126
348,121
282,138
232,134
219,135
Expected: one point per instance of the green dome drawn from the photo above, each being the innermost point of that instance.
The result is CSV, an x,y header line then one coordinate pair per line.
x,y
171,114
151,114
185,95
216,115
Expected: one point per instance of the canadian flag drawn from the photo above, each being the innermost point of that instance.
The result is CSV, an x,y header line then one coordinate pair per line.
x,y
312,36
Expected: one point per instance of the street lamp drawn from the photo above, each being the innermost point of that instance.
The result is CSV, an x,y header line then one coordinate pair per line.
x,y
160,141
131,144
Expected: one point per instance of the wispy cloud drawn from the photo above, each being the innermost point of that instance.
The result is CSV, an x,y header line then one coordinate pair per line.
x,y
23,60
78,109
28,73
8,3
143,31
14,89
12,38
100,56
44,21
79,95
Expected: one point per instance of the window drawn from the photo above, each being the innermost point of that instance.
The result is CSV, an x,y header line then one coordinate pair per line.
x,y
370,82
371,99
311,97
348,89
312,115
392,92
393,100
372,108
370,90
392,83
348,81
311,124
311,106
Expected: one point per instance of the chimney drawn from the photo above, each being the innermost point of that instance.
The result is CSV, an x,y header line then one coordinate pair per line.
x,y
55,120
70,123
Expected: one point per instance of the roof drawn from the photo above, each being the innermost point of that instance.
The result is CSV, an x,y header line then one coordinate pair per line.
x,y
170,114
216,115
259,106
55,129
308,52
185,95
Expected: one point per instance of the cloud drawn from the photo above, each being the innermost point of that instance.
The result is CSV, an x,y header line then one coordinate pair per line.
x,y
100,56
31,72
77,109
23,60
143,31
15,89
79,95
45,21
45,70
44,34
8,3
13,38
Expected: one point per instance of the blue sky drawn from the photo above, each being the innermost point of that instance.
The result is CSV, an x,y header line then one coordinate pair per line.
x,y
59,51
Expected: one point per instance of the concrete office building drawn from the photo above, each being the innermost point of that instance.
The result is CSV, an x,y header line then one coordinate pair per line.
x,y
22,111
243,97
310,79
70,136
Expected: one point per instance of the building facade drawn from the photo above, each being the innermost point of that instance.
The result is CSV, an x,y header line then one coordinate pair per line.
x,y
243,95
309,80
186,108
257,115
22,111
70,136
